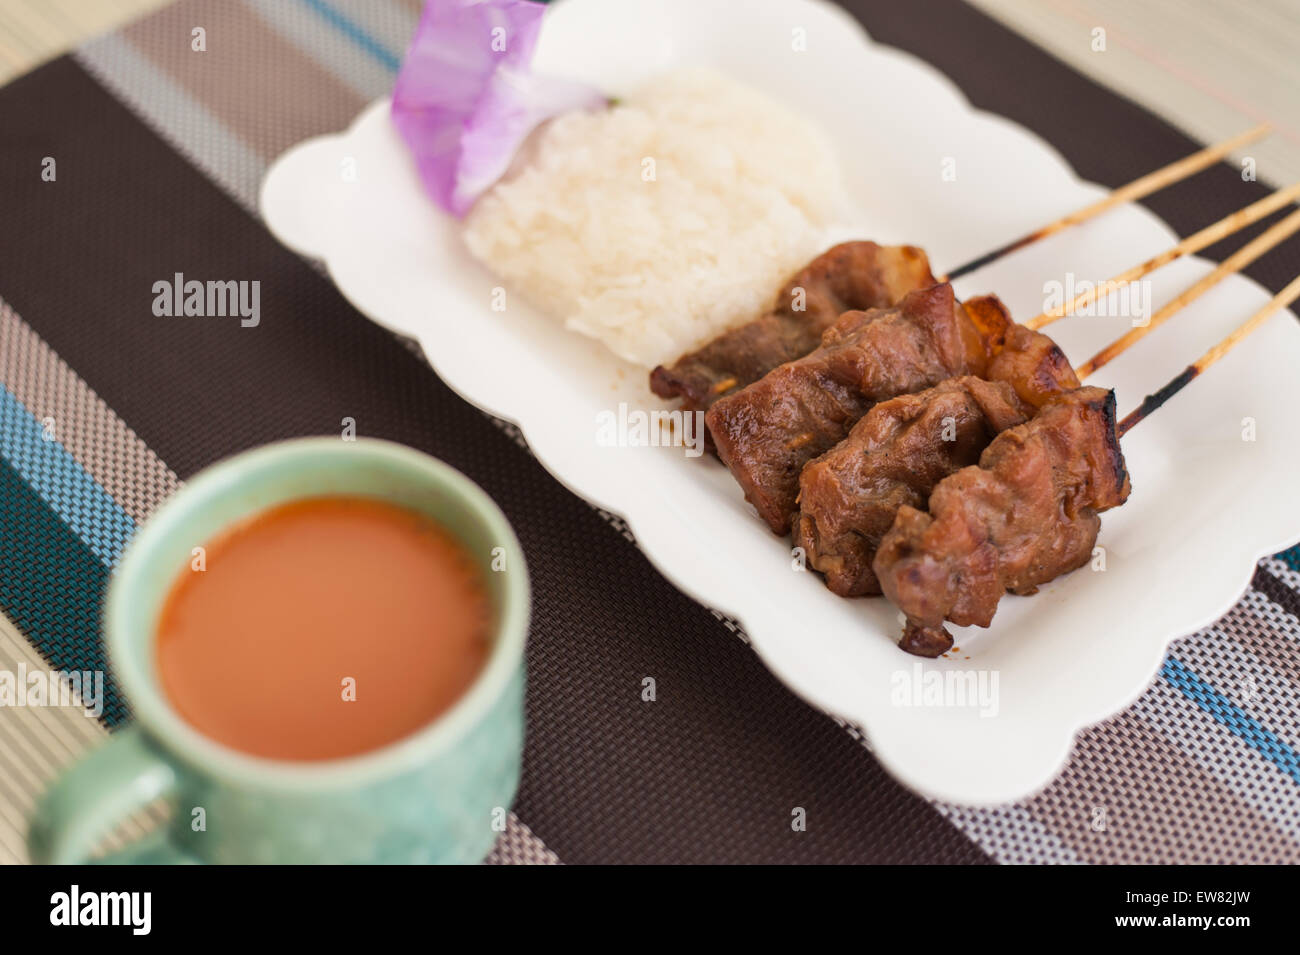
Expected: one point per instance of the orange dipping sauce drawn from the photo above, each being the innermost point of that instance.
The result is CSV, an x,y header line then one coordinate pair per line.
x,y
323,628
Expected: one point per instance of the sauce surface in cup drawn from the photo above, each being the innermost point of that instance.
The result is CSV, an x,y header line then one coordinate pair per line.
x,y
322,628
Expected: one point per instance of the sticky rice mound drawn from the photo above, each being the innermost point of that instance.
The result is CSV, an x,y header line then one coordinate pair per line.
x,y
658,223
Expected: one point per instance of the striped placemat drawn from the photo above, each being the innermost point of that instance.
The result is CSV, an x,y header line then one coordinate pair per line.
x,y
106,409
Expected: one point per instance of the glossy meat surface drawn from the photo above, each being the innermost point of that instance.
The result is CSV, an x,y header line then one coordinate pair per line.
x,y
768,431
1027,513
903,447
848,277
893,458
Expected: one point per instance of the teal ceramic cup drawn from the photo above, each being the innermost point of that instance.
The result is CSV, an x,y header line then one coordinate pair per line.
x,y
440,795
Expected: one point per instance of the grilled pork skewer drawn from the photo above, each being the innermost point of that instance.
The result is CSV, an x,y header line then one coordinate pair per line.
x,y
1027,513
1248,253
1194,243
893,458
848,277
1189,374
1137,189
1024,515
863,275
767,432
903,447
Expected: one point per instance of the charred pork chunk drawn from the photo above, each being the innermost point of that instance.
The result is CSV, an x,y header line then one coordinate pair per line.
x,y
848,277
905,446
1033,365
768,431
1025,515
1029,361
893,458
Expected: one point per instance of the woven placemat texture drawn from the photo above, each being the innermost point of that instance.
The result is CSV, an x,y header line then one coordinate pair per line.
x,y
160,153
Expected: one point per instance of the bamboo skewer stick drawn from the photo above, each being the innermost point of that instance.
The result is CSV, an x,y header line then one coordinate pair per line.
x,y
1137,189
1248,253
1188,246
1231,265
1153,401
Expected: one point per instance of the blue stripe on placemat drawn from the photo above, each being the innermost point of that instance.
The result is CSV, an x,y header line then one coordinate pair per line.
x,y
52,585
356,33
1236,720
62,483
1291,558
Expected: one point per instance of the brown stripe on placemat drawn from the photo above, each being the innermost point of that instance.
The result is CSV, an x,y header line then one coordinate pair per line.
x,y
1285,567
1261,627
191,128
330,48
99,440
265,90
711,772
1248,657
1278,592
1157,806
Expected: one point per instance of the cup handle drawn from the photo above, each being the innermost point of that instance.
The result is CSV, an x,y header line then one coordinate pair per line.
x,y
87,801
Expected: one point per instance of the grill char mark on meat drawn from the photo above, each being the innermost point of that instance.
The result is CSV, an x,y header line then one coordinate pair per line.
x,y
1029,361
767,432
851,276
1027,513
1033,365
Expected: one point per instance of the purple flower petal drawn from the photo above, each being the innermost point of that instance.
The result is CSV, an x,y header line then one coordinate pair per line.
x,y
466,96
